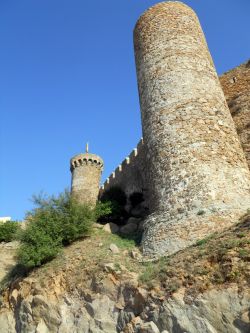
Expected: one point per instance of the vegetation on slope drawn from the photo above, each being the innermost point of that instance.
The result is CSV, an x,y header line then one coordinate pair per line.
x,y
54,223
117,200
218,259
8,231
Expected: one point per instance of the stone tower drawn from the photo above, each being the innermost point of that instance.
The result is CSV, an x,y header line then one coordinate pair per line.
x,y
86,172
236,86
199,181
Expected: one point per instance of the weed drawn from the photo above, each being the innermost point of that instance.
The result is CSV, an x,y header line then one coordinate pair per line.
x,y
217,277
243,253
234,275
153,270
148,274
241,234
204,241
173,286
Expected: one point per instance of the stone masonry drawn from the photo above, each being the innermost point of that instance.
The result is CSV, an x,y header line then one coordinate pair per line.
x,y
190,165
236,87
198,177
131,176
86,172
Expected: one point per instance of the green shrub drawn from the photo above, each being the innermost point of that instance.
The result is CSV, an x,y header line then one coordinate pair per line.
x,y
103,209
8,231
116,198
37,247
55,222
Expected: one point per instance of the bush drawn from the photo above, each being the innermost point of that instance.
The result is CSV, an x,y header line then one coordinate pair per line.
x,y
116,198
103,209
8,231
54,223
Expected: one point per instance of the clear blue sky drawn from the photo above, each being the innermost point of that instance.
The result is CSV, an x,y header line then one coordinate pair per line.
x,y
67,76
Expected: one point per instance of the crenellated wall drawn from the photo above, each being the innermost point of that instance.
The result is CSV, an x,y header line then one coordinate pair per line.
x,y
131,176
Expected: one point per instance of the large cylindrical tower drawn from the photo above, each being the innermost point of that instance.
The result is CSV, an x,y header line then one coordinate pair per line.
x,y
86,172
198,176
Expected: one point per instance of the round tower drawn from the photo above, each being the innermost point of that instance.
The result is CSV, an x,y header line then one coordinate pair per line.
x,y
198,176
86,172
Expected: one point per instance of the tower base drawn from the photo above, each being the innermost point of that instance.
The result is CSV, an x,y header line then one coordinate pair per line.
x,y
165,234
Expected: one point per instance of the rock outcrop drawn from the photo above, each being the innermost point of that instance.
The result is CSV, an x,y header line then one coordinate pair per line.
x,y
125,308
91,289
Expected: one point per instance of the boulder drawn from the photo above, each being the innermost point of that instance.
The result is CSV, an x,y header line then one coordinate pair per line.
x,y
98,226
134,220
149,327
128,229
109,267
135,254
140,210
114,249
111,228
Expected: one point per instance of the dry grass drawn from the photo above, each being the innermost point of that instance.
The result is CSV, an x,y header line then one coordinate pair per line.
x,y
217,260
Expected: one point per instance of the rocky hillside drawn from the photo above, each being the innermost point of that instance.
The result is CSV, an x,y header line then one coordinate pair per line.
x,y
102,284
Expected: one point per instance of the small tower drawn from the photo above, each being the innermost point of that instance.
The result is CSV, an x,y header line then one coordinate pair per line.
x,y
86,172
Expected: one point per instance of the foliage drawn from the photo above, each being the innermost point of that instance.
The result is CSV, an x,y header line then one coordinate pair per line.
x,y
55,222
116,198
8,231
136,198
103,209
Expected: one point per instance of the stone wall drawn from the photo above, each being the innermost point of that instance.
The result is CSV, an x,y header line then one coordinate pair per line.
x,y
236,87
131,174
196,169
194,158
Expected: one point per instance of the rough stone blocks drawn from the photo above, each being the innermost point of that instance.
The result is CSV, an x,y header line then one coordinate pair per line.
x,y
86,172
199,180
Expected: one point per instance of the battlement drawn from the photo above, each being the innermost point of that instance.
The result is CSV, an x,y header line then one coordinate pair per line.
x,y
129,175
86,159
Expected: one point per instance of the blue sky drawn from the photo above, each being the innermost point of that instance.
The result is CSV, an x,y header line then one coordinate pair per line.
x,y
67,76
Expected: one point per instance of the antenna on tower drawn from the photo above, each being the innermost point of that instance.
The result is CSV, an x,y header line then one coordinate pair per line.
x,y
87,147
